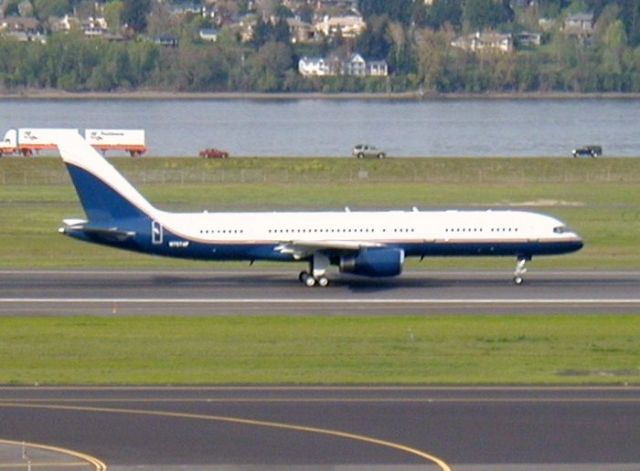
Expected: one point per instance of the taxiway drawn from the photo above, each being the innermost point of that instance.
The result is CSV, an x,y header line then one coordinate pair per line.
x,y
331,428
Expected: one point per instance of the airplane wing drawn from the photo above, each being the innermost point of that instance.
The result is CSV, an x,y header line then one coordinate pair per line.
x,y
302,249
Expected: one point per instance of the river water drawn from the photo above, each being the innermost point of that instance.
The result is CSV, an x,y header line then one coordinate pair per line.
x,y
311,127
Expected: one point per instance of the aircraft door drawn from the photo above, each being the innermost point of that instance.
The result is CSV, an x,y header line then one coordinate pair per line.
x,y
156,233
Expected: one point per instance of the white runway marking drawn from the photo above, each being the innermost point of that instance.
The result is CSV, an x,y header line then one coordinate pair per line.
x,y
481,301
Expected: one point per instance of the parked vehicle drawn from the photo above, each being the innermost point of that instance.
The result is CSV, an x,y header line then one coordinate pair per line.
x,y
213,153
27,141
125,140
361,151
8,144
587,151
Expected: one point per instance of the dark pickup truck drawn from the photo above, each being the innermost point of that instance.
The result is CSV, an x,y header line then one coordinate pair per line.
x,y
587,151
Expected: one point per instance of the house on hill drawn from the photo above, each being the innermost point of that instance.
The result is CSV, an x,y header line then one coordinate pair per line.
x,y
24,24
578,24
349,25
354,66
208,34
485,42
302,32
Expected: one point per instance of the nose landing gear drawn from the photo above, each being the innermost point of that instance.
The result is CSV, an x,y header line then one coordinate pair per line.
x,y
520,269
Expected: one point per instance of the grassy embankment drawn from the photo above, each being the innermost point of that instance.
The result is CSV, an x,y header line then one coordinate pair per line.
x,y
600,199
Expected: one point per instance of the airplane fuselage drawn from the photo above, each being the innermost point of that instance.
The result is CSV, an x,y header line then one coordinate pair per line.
x,y
258,236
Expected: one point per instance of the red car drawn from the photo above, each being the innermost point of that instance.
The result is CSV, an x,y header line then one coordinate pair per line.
x,y
212,153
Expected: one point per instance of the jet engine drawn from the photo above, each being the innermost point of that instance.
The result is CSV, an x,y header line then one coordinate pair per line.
x,y
373,262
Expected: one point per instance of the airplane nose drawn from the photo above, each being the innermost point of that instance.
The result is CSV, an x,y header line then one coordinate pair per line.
x,y
578,242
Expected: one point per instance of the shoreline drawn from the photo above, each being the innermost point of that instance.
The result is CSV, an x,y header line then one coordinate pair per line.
x,y
36,94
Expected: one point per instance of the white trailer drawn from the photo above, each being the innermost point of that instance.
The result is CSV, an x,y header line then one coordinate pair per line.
x,y
126,140
27,141
9,144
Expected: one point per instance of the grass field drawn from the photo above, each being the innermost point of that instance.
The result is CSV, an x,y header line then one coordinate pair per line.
x,y
285,350
598,198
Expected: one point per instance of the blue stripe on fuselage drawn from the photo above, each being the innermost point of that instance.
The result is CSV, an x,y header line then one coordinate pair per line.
x,y
267,250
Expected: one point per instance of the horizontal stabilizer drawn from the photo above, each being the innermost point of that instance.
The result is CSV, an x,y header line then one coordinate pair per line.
x,y
107,234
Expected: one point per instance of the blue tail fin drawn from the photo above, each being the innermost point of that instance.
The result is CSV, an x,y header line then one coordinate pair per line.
x,y
101,203
106,196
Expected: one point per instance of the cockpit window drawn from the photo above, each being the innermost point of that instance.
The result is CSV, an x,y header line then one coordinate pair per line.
x,y
560,229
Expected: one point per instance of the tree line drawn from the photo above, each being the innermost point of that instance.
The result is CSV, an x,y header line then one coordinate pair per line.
x,y
414,39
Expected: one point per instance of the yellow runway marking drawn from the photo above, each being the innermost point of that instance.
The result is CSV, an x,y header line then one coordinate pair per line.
x,y
87,459
233,420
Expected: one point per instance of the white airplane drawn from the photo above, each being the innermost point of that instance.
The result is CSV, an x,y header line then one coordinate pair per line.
x,y
368,243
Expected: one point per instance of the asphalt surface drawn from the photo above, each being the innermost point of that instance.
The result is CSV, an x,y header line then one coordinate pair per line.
x,y
319,429
333,427
278,292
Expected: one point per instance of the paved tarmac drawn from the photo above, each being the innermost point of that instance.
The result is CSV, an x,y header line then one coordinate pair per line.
x,y
332,428
320,429
255,291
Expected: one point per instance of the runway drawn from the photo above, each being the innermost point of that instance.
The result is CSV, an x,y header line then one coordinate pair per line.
x,y
257,292
325,428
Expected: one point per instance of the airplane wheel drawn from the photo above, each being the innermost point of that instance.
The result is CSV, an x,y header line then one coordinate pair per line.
x,y
302,276
323,281
518,280
309,281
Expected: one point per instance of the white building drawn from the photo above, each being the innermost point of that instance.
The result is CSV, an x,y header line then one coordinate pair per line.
x,y
377,68
208,34
313,67
355,66
579,24
480,42
348,26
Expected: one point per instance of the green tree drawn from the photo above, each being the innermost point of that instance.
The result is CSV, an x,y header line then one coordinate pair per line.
x,y
143,60
552,8
280,31
11,7
616,37
269,66
261,33
374,42
134,14
282,12
432,48
400,47
25,8
629,15
396,10
112,12
482,14
442,12
265,31
611,66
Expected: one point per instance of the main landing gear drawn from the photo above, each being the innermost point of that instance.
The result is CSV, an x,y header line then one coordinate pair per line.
x,y
520,269
316,274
